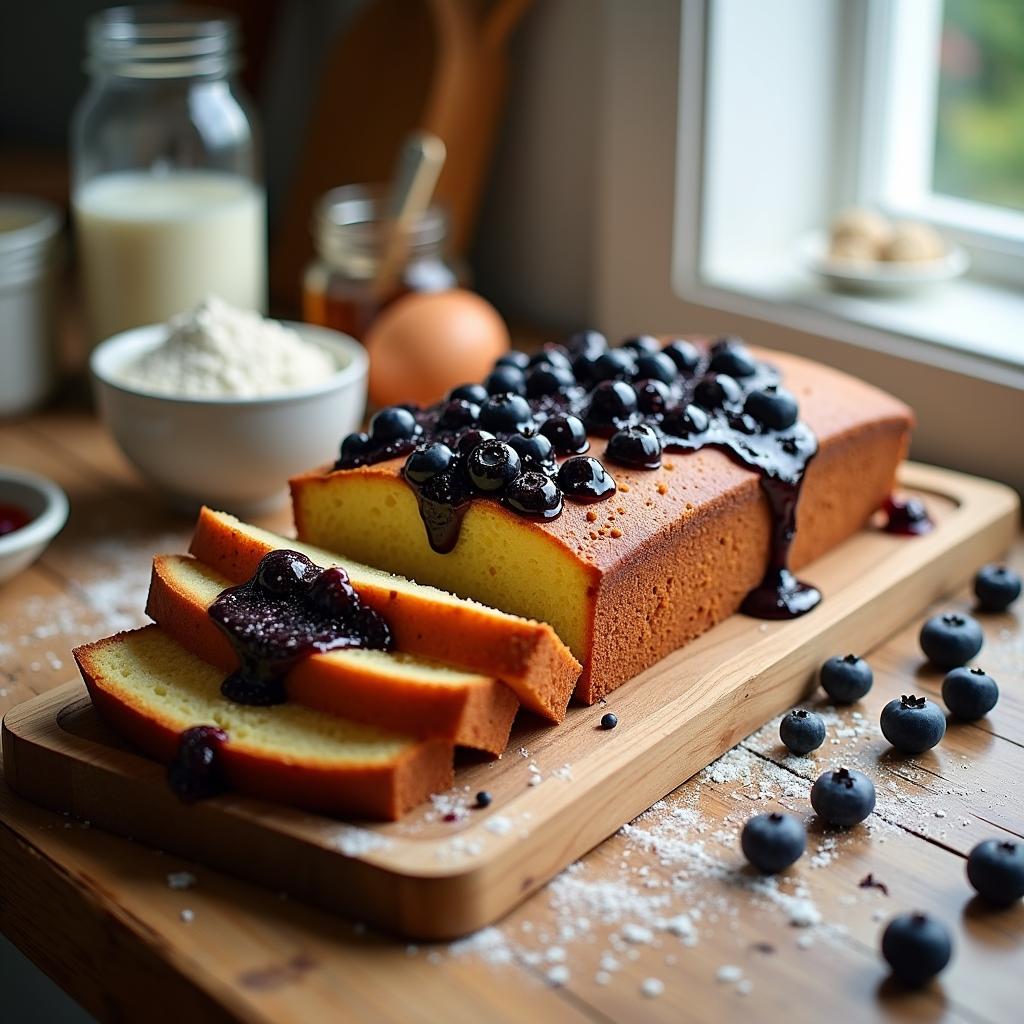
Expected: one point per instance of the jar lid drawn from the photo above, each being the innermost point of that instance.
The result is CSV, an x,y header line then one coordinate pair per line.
x,y
28,231
162,42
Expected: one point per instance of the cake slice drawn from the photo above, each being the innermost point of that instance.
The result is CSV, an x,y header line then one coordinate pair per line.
x,y
392,690
626,580
151,690
526,655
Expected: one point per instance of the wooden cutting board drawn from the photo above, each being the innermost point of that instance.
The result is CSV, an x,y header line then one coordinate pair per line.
x,y
432,878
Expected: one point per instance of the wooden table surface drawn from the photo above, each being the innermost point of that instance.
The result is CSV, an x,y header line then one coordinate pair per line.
x,y
661,922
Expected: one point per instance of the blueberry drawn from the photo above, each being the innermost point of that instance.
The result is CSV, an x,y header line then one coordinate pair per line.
x,y
642,344
916,947
475,393
615,364
427,461
771,842
520,360
912,724
716,390
458,413
393,424
196,770
551,355
846,679
506,380
483,798
284,572
996,870
535,450
686,422
685,355
545,379
773,407
996,588
566,433
586,343
969,693
843,797
332,592
534,494
471,439
637,446
353,448
652,396
730,355
609,720
612,404
584,479
802,731
951,640
506,413
656,366
493,465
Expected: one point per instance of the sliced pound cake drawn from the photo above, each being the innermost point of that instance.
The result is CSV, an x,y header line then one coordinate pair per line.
x,y
151,690
392,690
424,621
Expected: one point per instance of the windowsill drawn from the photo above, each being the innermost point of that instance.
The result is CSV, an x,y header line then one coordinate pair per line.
x,y
977,323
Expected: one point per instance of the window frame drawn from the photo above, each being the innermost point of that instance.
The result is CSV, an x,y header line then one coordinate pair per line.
x,y
894,145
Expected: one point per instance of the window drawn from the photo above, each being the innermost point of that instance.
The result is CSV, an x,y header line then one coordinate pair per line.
x,y
941,122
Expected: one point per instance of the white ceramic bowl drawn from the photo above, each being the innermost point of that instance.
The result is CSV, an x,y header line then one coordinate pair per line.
x,y
234,454
878,277
47,506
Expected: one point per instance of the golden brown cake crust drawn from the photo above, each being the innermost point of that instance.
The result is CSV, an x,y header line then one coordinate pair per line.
x,y
677,549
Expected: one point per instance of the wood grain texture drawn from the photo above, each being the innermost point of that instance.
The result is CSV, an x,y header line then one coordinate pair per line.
x,y
737,676
122,949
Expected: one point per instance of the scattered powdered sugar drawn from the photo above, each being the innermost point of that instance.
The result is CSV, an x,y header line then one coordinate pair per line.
x,y
728,973
651,988
356,842
499,825
180,880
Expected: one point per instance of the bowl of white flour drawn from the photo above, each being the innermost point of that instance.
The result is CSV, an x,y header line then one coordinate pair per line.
x,y
221,406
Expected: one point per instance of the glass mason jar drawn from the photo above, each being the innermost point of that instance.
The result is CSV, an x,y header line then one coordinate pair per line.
x,y
349,235
167,200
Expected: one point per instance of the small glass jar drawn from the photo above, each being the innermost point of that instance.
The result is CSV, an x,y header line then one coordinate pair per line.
x,y
167,199
349,234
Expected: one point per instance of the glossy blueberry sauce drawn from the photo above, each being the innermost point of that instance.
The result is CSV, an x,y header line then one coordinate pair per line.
x,y
196,771
289,610
906,517
645,399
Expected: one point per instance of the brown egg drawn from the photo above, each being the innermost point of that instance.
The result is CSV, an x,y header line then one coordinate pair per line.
x,y
427,343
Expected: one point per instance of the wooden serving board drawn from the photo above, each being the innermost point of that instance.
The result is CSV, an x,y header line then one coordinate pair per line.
x,y
557,791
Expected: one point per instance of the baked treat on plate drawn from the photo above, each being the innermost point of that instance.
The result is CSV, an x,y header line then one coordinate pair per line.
x,y
632,498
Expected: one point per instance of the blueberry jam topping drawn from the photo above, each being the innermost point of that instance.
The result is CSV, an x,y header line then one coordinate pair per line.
x,y
533,415
290,609
907,518
196,771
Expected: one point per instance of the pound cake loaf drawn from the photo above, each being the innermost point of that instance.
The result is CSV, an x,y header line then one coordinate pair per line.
x,y
389,689
169,703
632,498
526,655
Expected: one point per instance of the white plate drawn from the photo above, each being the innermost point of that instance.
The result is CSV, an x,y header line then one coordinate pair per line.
x,y
879,277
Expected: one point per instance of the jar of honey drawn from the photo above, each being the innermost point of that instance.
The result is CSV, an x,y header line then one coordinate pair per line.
x,y
340,287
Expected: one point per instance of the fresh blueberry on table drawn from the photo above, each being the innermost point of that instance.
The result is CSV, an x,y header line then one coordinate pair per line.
x,y
951,640
996,587
969,693
912,724
995,868
609,720
771,842
846,679
802,731
843,797
916,947
483,798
